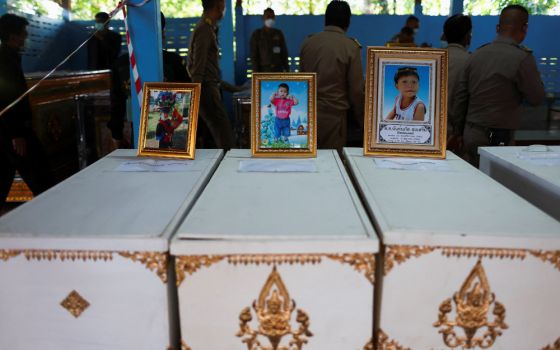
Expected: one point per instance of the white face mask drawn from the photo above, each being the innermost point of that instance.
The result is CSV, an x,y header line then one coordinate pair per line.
x,y
269,23
98,26
415,30
444,44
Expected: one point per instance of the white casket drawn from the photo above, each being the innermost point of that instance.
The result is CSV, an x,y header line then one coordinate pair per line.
x,y
533,175
85,265
276,261
467,264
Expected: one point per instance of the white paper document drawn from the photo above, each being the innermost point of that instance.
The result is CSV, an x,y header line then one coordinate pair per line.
x,y
413,164
155,165
278,166
540,155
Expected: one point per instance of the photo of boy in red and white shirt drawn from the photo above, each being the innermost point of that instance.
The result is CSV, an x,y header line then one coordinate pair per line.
x,y
283,102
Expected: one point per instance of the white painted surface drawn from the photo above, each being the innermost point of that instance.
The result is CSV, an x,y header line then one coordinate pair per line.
x,y
253,208
528,289
128,305
277,213
462,207
539,184
337,299
98,209
103,209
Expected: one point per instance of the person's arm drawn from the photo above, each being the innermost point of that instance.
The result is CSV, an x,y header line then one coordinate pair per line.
x,y
272,97
284,49
419,112
201,41
391,114
255,57
118,102
92,49
294,99
17,120
115,46
529,81
356,86
458,106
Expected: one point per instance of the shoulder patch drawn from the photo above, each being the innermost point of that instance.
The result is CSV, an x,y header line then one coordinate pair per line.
x,y
481,46
526,49
357,42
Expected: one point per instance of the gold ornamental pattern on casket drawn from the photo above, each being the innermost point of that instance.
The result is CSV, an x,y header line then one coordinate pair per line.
x,y
472,328
274,310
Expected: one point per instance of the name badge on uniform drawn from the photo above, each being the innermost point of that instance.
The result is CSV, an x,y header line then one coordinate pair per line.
x,y
276,49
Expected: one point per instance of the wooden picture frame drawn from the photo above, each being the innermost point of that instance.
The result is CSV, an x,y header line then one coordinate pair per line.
x,y
283,115
168,120
402,117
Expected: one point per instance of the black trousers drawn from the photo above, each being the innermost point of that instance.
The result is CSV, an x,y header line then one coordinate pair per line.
x,y
32,167
213,114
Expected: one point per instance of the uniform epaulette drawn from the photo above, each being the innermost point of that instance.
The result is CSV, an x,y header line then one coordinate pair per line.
x,y
357,42
525,48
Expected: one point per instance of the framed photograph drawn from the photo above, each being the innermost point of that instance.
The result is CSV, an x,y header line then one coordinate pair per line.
x,y
283,115
406,102
168,120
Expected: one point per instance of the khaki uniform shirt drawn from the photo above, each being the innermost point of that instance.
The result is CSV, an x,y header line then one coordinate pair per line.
x,y
498,76
203,59
457,58
268,51
337,61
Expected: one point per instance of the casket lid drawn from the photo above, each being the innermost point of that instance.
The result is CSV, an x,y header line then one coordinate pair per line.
x,y
462,207
100,208
511,157
282,212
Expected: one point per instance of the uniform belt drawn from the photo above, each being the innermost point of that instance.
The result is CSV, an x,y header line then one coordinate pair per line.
x,y
496,136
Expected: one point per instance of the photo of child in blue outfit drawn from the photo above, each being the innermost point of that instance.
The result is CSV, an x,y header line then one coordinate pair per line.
x,y
283,114
407,104
283,102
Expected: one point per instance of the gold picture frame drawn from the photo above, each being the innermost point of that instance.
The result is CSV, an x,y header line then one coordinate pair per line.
x,y
168,120
283,115
406,118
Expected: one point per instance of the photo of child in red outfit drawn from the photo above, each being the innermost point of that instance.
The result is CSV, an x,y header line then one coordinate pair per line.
x,y
284,112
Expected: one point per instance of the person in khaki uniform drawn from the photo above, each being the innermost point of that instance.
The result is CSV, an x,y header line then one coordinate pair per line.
x,y
203,67
486,110
457,31
268,47
340,83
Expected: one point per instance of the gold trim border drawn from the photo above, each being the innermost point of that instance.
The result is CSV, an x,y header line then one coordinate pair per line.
x,y
311,150
399,254
385,343
552,257
188,264
6,255
153,261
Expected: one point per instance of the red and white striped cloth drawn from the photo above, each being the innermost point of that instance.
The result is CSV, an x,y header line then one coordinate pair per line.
x,y
133,65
